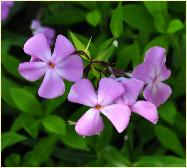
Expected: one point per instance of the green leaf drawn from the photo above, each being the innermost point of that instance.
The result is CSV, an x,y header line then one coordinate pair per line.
x,y
11,63
54,124
160,14
169,139
13,160
106,50
28,122
127,54
116,24
168,112
114,157
141,19
25,101
174,26
78,44
162,41
93,17
53,14
70,137
10,138
42,150
160,161
6,85
32,128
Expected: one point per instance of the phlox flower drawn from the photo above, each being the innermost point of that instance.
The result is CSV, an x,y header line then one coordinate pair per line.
x,y
62,64
37,28
133,88
5,7
153,72
91,122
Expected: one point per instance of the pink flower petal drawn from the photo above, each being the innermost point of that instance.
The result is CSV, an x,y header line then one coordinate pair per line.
x,y
52,85
132,88
90,123
109,90
147,110
83,92
119,100
157,93
118,114
38,46
63,48
35,24
152,66
71,68
144,72
155,56
165,74
32,71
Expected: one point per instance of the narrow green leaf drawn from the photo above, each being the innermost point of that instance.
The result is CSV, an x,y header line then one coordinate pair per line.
x,y
116,24
168,112
107,49
54,124
78,44
25,101
93,17
10,138
169,139
174,26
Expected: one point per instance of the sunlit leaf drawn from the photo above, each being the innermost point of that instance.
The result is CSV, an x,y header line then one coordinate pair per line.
x,y
25,101
93,17
116,23
169,139
54,124
174,26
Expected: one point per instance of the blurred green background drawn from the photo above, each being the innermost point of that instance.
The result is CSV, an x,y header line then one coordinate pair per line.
x,y
35,131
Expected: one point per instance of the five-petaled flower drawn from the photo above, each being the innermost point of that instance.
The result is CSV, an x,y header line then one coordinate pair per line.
x,y
133,88
5,7
152,72
91,123
37,28
63,63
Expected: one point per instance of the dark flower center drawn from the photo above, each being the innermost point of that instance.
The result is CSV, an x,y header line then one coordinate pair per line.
x,y
98,107
52,65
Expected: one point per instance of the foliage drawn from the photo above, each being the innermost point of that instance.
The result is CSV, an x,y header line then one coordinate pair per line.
x,y
35,131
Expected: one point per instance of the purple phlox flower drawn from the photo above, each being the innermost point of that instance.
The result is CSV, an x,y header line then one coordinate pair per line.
x,y
133,88
91,122
153,72
61,64
5,7
37,28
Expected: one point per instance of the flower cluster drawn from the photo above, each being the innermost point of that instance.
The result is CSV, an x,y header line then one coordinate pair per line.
x,y
115,98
